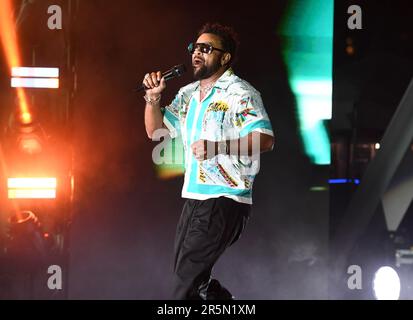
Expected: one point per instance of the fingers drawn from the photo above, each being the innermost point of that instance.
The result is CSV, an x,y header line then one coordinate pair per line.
x,y
152,80
145,81
199,156
199,150
195,150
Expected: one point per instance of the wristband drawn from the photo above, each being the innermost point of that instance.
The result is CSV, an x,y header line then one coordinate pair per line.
x,y
152,101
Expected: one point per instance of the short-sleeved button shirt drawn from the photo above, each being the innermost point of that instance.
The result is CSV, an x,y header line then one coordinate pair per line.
x,y
232,109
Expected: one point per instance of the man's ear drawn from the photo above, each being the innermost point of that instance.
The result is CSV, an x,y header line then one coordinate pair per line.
x,y
225,58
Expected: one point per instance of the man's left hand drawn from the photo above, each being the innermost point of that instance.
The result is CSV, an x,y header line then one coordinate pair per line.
x,y
204,149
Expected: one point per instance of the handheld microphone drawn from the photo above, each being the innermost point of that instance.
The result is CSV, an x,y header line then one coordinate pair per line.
x,y
175,71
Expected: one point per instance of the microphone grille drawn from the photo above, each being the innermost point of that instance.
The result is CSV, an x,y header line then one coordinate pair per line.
x,y
180,69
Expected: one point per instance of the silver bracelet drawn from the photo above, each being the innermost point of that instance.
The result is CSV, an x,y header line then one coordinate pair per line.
x,y
152,101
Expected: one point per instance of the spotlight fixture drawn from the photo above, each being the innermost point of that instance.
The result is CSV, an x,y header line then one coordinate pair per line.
x,y
386,284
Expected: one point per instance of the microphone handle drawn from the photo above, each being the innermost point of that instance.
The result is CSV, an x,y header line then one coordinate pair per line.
x,y
167,75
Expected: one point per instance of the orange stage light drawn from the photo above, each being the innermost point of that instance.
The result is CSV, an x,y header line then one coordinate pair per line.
x,y
9,42
32,188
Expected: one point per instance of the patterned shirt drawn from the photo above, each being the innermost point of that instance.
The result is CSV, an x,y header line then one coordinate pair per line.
x,y
230,110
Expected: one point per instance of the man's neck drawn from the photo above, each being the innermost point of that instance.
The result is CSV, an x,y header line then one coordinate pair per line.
x,y
212,79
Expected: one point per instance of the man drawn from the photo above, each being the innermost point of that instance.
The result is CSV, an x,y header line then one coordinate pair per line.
x,y
224,127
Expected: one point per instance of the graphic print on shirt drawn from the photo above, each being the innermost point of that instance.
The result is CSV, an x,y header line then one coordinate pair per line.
x,y
243,116
183,111
218,171
214,117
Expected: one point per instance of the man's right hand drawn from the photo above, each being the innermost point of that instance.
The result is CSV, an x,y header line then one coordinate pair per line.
x,y
155,84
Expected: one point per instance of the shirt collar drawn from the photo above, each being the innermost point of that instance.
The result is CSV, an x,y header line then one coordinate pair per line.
x,y
225,80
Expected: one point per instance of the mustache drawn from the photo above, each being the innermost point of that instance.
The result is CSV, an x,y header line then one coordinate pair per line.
x,y
197,59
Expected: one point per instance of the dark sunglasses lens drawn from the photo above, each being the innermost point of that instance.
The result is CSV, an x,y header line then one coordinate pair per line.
x,y
205,48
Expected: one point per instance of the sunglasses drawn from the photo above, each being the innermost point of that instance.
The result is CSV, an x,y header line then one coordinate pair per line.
x,y
202,47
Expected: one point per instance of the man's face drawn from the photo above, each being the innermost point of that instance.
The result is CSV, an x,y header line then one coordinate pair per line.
x,y
204,64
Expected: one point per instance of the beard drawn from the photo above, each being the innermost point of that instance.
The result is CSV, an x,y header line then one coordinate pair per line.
x,y
204,72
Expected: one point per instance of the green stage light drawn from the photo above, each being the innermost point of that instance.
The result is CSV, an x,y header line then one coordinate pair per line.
x,y
307,35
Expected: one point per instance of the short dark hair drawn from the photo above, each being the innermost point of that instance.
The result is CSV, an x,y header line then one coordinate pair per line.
x,y
229,38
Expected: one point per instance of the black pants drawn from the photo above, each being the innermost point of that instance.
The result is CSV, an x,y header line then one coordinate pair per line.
x,y
205,229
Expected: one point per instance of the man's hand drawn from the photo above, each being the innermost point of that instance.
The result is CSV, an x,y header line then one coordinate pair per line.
x,y
155,83
204,149
252,144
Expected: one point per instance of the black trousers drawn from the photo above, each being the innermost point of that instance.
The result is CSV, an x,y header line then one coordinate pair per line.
x,y
205,229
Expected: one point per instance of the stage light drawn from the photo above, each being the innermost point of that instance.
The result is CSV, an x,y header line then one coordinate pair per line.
x,y
32,194
8,38
35,72
337,181
26,118
25,77
34,83
386,284
307,39
342,181
350,50
377,146
318,188
32,188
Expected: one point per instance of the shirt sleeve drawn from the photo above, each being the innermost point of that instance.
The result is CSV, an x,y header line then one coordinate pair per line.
x,y
251,116
171,116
